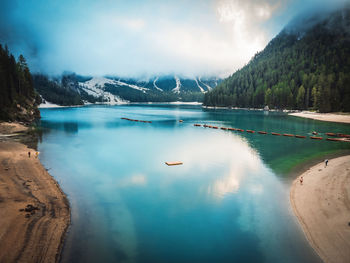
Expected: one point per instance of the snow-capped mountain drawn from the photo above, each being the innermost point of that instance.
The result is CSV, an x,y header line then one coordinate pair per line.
x,y
115,90
119,90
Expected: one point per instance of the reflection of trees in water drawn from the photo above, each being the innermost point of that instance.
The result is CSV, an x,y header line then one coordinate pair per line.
x,y
70,127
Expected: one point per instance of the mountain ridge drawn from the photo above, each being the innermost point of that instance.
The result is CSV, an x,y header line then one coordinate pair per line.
x,y
301,68
115,90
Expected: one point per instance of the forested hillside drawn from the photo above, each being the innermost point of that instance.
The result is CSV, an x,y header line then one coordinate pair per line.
x,y
18,99
62,91
306,66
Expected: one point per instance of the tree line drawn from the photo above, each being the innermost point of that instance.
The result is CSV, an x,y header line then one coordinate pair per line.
x,y
18,99
297,70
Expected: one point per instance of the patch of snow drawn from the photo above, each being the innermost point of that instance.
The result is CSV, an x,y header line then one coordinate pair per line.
x,y
202,90
155,85
97,82
208,87
120,83
178,85
184,103
95,87
47,104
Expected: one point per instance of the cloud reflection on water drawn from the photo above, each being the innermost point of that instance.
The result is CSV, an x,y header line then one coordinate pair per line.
x,y
232,150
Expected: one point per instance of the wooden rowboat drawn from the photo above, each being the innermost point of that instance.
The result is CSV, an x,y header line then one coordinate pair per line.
x,y
173,163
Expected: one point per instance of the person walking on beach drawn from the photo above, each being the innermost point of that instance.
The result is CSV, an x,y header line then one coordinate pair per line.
x,y
28,154
325,163
301,180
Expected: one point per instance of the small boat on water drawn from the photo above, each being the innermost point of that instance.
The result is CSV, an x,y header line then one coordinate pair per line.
x,y
240,130
331,134
173,163
231,129
223,128
250,131
288,135
197,125
300,136
215,127
262,132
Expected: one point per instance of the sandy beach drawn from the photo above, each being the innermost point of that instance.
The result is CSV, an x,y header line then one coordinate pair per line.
x,y
34,211
332,117
322,206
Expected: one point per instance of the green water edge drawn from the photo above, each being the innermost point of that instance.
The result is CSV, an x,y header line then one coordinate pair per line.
x,y
298,163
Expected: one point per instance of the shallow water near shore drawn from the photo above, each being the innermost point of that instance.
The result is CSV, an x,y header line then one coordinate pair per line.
x,y
228,202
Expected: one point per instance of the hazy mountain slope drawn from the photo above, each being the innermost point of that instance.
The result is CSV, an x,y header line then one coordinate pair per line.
x,y
72,89
307,65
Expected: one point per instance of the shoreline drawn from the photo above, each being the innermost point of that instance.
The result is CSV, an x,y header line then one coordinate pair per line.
x,y
331,117
50,105
34,211
322,207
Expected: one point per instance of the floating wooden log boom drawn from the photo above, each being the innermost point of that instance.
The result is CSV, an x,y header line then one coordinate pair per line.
x,y
335,139
274,133
127,119
316,138
341,137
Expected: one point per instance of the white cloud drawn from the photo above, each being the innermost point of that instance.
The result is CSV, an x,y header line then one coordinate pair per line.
x,y
146,38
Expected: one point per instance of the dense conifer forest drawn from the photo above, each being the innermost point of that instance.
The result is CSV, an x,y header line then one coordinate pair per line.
x,y
306,66
18,99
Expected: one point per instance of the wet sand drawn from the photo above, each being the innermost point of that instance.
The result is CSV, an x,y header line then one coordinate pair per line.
x,y
332,117
34,211
322,206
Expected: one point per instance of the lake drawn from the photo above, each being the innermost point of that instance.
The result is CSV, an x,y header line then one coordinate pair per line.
x,y
228,202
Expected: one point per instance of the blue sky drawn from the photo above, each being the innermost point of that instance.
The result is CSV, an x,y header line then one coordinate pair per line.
x,y
144,38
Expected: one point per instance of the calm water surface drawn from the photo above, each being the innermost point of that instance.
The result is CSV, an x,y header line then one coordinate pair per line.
x,y
229,202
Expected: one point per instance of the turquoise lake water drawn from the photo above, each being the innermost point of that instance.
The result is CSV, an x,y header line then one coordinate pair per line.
x,y
228,202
